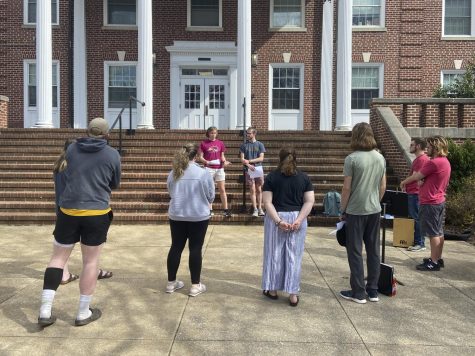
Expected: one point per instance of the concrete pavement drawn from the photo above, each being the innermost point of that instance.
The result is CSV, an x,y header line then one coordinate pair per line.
x,y
433,314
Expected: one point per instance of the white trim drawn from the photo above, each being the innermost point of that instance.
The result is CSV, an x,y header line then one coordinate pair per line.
x,y
460,37
189,27
117,26
25,14
110,114
292,114
301,28
80,66
380,27
30,113
362,115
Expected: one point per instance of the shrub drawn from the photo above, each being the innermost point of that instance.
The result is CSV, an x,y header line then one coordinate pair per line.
x,y
460,210
462,161
463,86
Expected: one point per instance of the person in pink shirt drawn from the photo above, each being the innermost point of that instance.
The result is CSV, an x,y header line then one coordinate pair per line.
x,y
417,148
435,175
212,156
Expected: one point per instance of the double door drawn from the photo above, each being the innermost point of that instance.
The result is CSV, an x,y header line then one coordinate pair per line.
x,y
204,102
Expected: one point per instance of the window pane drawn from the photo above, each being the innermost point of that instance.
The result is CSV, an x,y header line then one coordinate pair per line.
x,y
121,12
119,97
32,84
287,13
31,8
286,88
457,17
365,86
204,12
122,85
366,12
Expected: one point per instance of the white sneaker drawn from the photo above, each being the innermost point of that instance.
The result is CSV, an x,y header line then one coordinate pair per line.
x,y
173,286
416,248
260,212
255,214
195,290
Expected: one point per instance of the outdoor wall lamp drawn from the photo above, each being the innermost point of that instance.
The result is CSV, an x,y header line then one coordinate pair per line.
x,y
254,59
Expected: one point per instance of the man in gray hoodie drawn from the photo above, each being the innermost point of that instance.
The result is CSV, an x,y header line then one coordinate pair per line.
x,y
93,170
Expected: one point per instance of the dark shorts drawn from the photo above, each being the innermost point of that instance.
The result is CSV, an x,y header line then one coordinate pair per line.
x,y
432,218
90,230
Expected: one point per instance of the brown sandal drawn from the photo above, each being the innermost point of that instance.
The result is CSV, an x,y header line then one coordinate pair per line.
x,y
103,274
72,277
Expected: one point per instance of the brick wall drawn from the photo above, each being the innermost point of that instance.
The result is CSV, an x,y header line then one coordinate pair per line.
x,y
410,47
3,111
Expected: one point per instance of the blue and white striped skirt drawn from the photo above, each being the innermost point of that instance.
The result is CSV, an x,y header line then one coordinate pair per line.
x,y
283,253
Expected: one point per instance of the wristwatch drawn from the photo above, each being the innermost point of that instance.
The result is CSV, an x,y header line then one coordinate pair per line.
x,y
278,223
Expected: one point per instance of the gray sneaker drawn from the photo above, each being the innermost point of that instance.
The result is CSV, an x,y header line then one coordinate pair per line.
x,y
173,286
261,212
195,290
255,214
416,248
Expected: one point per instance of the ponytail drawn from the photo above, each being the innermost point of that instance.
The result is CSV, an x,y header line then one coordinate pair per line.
x,y
61,164
182,159
288,161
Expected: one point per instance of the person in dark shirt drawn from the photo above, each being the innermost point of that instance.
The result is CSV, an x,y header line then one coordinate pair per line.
x,y
288,198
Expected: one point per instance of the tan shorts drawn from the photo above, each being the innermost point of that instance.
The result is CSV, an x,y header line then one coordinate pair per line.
x,y
217,174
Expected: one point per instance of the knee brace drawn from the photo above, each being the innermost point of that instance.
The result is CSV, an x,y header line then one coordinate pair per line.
x,y
52,278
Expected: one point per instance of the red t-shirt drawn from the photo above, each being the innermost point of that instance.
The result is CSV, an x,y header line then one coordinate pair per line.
x,y
212,151
436,178
417,164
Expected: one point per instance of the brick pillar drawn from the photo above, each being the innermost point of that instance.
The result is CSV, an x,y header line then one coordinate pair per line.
x,y
4,111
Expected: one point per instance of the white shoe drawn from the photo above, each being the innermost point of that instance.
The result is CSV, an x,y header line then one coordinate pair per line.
x,y
195,290
255,214
416,248
175,285
260,212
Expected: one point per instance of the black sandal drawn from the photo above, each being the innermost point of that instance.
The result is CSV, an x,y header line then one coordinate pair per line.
x,y
268,295
292,304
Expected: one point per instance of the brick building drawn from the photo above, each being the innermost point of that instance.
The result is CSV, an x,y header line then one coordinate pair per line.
x,y
297,64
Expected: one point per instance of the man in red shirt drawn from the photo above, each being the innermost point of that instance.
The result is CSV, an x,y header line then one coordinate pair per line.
x,y
436,176
417,148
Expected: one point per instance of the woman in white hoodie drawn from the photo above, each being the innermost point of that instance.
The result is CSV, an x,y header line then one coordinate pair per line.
x,y
191,190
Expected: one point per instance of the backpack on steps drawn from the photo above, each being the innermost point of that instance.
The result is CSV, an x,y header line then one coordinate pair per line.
x,y
331,203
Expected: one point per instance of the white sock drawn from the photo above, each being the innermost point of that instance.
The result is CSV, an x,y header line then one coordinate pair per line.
x,y
83,311
47,298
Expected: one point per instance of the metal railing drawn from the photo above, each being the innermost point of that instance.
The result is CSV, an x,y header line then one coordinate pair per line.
x,y
130,131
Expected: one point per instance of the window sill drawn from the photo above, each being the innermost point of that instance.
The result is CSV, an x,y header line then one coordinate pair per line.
x,y
458,38
285,111
287,29
120,27
204,28
369,29
33,25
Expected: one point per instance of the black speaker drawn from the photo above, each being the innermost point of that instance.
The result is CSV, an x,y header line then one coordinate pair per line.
x,y
396,203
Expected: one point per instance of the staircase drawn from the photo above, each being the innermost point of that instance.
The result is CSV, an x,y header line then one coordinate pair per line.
x,y
27,156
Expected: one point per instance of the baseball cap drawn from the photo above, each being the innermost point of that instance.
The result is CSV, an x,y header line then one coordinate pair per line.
x,y
98,127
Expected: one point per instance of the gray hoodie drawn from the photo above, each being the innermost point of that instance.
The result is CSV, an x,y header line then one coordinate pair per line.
x,y
93,171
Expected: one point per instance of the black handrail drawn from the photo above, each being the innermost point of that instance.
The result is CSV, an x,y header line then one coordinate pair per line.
x,y
130,131
244,130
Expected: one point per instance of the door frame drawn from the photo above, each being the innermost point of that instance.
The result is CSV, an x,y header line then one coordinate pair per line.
x,y
201,54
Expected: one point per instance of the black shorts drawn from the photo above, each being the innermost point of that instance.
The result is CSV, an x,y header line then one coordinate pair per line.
x,y
90,230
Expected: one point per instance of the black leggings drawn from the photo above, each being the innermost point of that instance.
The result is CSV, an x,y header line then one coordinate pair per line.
x,y
195,232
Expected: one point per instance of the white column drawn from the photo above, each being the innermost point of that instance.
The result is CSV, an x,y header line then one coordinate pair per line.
x,y
44,63
145,65
343,68
326,82
244,60
79,66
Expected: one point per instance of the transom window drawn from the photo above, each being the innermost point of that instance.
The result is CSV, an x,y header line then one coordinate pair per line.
x,y
30,12
368,13
204,13
458,18
287,13
365,85
286,88
31,75
121,85
121,12
204,72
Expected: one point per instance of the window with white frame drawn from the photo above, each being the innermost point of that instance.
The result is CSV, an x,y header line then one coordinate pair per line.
x,y
366,84
286,86
121,85
459,18
120,12
449,76
287,13
204,13
31,83
368,13
30,12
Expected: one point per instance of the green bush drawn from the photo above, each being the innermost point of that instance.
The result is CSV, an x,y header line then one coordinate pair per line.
x,y
463,86
460,210
462,161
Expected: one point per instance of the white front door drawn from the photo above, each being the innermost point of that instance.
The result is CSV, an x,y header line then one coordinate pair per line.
x,y
204,103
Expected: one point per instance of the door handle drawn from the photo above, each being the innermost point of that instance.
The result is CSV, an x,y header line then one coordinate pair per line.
x,y
206,110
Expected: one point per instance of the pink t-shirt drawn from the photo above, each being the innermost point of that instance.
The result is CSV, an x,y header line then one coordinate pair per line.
x,y
417,164
436,178
212,151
